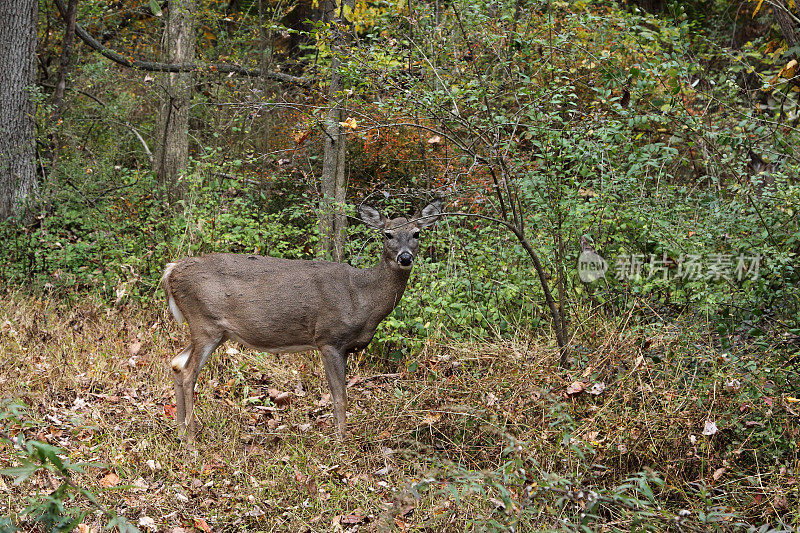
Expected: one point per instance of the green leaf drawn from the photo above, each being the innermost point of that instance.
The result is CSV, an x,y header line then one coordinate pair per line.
x,y
155,8
6,525
122,524
48,452
644,488
21,473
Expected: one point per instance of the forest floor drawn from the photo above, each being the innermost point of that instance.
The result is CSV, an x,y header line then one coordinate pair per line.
x,y
430,441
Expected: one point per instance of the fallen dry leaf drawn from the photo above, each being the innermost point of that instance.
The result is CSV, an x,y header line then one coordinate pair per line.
x,y
134,348
733,385
355,380
597,388
109,480
490,399
282,398
718,473
710,428
201,524
431,418
576,388
147,522
354,518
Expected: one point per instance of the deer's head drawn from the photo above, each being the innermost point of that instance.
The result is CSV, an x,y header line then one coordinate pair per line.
x,y
401,235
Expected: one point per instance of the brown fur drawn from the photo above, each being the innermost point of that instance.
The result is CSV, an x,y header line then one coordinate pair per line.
x,y
283,305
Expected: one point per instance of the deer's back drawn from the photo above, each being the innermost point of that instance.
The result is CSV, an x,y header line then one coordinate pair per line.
x,y
268,303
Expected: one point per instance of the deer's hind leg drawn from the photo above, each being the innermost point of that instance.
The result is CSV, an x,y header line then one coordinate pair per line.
x,y
178,362
201,349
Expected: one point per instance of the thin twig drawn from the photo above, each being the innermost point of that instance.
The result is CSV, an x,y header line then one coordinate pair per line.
x,y
152,66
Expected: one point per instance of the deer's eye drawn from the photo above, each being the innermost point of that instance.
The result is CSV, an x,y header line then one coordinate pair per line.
x,y
415,235
388,235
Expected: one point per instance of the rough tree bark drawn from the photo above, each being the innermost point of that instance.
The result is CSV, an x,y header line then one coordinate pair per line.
x,y
172,142
66,57
332,220
787,21
17,133
61,78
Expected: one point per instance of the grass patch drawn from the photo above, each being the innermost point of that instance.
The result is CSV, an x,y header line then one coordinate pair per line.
x,y
465,436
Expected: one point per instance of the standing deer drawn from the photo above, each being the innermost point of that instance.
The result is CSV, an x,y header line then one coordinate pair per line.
x,y
283,305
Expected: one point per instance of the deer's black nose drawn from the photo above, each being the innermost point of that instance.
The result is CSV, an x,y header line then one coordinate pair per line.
x,y
405,259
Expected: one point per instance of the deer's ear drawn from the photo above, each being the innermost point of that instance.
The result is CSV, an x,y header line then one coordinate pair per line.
x,y
430,214
371,217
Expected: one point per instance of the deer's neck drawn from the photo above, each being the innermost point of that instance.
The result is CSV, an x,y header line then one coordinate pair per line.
x,y
388,285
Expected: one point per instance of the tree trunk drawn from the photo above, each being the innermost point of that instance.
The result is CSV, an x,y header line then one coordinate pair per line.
x,y
66,58
17,131
332,220
652,6
61,78
787,21
172,143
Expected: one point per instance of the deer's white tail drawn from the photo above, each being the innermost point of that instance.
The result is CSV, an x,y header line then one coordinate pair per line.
x,y
173,307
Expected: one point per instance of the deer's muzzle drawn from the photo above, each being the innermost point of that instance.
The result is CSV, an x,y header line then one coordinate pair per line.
x,y
405,259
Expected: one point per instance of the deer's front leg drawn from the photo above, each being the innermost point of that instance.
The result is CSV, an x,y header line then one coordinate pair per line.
x,y
335,363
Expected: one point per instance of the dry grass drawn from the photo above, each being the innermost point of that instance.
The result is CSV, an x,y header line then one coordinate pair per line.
x,y
421,442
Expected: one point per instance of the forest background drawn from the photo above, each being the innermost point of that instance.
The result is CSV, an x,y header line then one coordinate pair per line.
x,y
655,140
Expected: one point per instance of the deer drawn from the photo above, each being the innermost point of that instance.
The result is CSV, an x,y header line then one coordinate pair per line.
x,y
278,305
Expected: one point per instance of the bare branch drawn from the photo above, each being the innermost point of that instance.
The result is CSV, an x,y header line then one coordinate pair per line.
x,y
152,66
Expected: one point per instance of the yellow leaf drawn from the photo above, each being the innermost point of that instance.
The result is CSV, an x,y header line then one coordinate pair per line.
x,y
431,418
758,7
789,70
347,12
301,136
350,123
792,400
